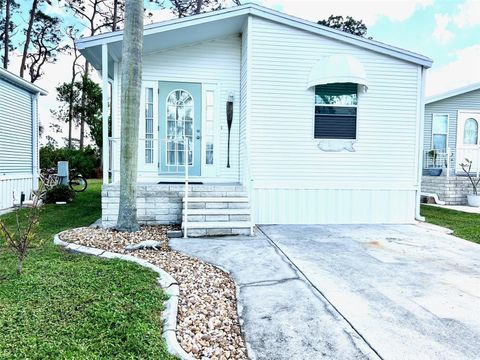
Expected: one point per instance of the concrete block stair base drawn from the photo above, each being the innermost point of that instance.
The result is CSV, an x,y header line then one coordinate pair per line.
x,y
218,215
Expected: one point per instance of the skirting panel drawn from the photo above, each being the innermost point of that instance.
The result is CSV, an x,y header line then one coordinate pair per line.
x,y
12,187
333,206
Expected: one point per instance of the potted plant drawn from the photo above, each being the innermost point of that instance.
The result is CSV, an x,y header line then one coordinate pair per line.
x,y
472,199
434,171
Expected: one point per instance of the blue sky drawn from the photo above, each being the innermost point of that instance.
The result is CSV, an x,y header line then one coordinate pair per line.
x,y
448,31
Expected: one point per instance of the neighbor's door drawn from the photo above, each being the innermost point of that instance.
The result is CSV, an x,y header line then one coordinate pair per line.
x,y
468,136
180,117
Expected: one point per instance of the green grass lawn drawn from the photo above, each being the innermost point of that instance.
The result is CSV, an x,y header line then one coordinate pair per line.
x,y
73,306
464,225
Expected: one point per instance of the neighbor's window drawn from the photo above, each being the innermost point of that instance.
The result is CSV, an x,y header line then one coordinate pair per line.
x,y
470,132
440,131
149,125
336,111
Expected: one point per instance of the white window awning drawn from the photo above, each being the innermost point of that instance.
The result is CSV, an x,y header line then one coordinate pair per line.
x,y
338,68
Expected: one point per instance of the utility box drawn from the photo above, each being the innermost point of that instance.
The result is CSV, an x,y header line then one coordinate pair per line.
x,y
62,171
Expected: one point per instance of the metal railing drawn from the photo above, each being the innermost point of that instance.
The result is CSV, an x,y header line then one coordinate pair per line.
x,y
437,159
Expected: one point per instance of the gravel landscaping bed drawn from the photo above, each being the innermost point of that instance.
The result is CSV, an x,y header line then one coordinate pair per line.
x,y
207,320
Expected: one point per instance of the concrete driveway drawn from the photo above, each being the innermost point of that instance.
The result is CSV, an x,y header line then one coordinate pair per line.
x,y
352,292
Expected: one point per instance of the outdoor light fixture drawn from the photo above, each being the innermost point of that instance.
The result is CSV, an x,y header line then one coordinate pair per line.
x,y
229,124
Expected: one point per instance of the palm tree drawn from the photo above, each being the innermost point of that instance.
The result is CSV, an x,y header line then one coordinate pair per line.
x,y
130,92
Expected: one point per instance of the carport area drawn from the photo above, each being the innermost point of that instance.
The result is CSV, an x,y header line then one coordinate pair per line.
x,y
352,291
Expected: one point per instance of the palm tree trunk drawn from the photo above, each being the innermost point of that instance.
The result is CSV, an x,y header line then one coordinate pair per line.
x,y
131,88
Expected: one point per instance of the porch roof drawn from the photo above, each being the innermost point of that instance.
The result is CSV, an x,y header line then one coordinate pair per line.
x,y
198,28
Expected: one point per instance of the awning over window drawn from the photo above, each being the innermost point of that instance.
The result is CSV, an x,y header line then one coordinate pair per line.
x,y
338,68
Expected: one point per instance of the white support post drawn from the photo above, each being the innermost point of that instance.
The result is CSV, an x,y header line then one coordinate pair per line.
x,y
448,162
105,149
185,202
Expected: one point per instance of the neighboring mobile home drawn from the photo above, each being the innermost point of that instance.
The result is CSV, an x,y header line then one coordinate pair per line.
x,y
451,135
18,138
326,127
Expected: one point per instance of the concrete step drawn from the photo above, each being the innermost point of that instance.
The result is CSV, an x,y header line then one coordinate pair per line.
x,y
221,211
219,225
217,199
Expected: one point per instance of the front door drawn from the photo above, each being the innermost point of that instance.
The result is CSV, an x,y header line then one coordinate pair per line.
x,y
180,120
468,139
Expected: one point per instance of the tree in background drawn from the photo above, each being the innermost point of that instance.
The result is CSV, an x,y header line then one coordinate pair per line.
x,y
130,103
28,35
183,8
73,107
7,7
45,40
347,24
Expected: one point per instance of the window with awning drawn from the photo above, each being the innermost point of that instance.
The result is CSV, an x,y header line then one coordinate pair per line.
x,y
336,81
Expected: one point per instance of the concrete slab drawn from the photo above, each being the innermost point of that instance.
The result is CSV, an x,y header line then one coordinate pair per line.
x,y
410,292
282,315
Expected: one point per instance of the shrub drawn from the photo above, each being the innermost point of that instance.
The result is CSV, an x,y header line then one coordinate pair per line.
x,y
86,161
59,193
24,234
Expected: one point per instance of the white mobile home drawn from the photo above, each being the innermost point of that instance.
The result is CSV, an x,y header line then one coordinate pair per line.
x,y
18,138
326,127
451,135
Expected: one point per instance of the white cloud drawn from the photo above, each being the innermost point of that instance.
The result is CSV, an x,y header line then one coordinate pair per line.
x,y
441,33
460,72
369,11
468,14
54,8
159,15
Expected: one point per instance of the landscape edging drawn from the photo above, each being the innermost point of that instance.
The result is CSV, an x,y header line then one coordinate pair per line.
x,y
165,280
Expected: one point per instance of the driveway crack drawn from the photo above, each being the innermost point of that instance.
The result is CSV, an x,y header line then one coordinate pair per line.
x,y
268,282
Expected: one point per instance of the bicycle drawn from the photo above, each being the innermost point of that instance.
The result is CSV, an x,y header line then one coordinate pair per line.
x,y
50,179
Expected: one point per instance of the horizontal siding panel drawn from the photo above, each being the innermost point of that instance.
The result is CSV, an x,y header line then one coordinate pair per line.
x,y
283,111
15,129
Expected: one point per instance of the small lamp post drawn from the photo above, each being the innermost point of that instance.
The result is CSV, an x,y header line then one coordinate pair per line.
x,y
229,124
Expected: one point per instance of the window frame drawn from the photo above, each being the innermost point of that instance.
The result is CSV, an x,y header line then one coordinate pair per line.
x,y
145,133
359,95
447,133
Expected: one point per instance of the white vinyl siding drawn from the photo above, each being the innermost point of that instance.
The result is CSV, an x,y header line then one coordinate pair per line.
x,y
15,130
215,62
17,158
285,159
450,106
